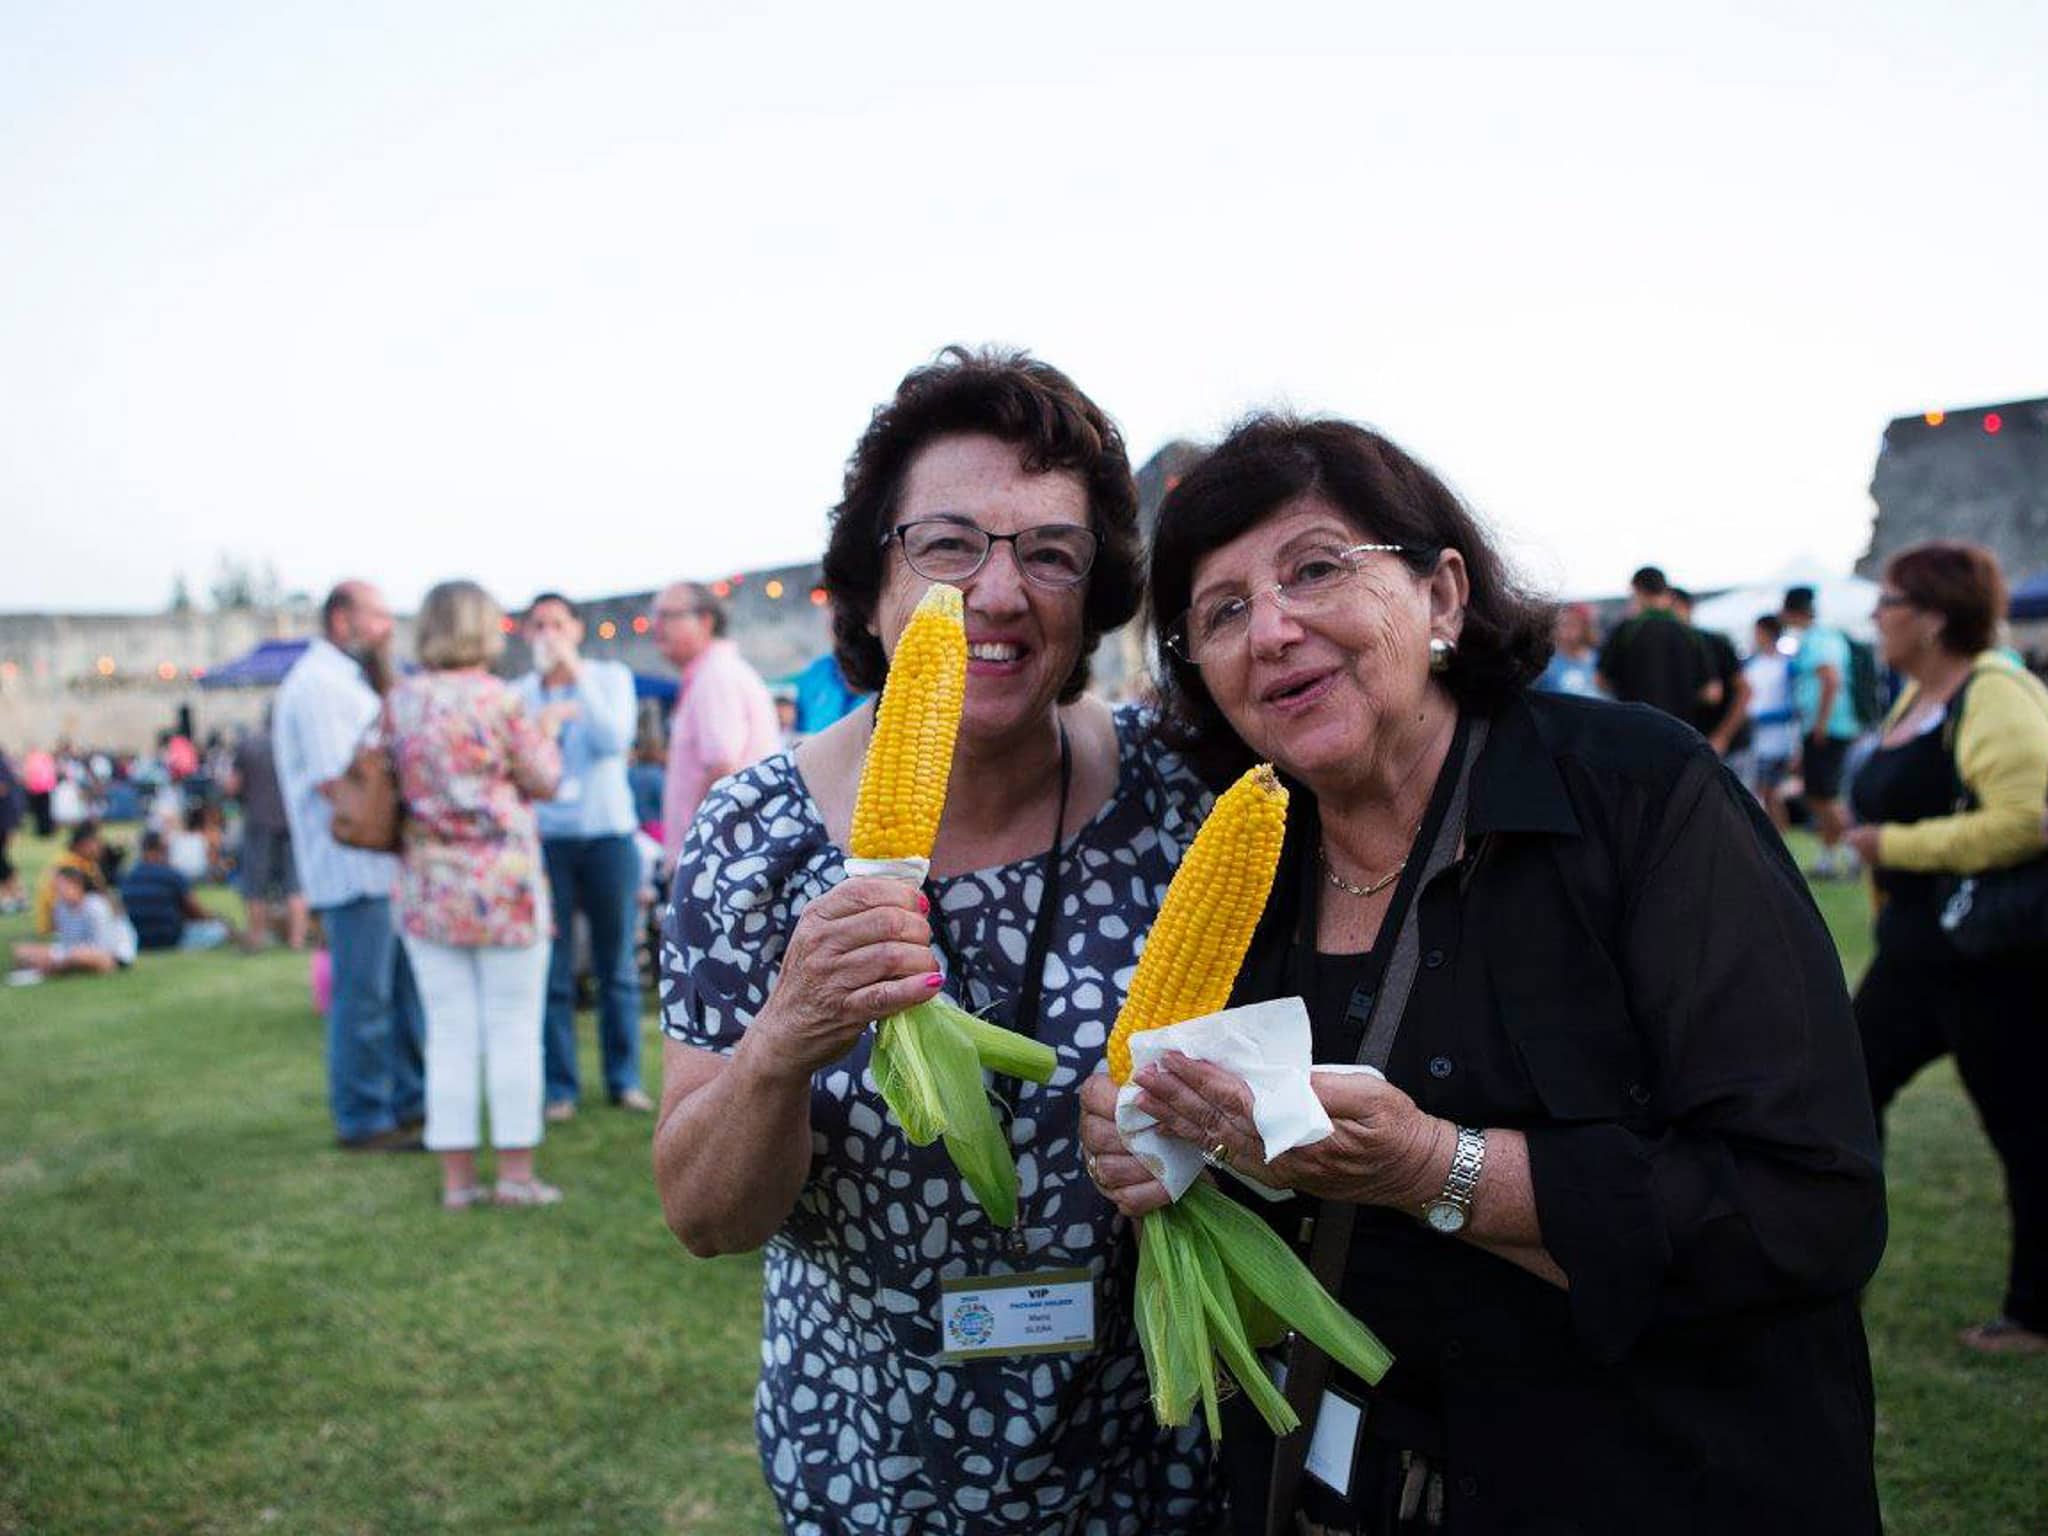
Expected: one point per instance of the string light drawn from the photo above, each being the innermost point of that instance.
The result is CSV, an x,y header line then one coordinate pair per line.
x,y
721,589
106,666
817,597
166,672
607,630
1935,418
1993,422
640,624
773,589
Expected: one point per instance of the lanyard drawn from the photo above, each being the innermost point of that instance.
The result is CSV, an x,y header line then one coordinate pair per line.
x,y
1043,921
1024,1018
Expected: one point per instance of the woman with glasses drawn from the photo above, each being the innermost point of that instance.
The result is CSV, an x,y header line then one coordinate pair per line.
x,y
1063,825
1956,787
1611,1202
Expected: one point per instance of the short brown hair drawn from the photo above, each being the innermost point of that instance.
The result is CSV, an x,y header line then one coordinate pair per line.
x,y
460,625
1961,582
1013,397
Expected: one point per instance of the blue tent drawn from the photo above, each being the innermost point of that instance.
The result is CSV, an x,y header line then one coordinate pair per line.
x,y
263,667
662,688
2030,597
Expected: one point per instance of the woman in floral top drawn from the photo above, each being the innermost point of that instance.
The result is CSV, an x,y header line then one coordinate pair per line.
x,y
472,896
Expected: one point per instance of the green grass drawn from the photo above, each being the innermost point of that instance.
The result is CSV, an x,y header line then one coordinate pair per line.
x,y
214,1321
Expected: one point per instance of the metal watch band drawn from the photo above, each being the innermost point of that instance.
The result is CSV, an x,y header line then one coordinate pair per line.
x,y
1467,1161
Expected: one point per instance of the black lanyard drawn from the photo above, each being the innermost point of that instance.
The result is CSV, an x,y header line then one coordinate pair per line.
x,y
1024,1018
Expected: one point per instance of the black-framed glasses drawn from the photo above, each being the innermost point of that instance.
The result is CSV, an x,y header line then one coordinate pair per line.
x,y
952,549
1318,580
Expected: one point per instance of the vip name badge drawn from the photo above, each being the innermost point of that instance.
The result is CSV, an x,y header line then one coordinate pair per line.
x,y
1046,1312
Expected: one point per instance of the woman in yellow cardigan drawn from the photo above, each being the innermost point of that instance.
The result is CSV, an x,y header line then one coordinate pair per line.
x,y
1970,719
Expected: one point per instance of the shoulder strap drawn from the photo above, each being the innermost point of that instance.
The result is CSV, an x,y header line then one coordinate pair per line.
x,y
1308,1368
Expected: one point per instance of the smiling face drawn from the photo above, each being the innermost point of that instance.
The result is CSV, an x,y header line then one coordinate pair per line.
x,y
1316,691
1023,639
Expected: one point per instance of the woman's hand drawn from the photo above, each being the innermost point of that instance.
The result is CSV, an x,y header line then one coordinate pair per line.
x,y
1383,1149
860,952
1128,1183
1865,840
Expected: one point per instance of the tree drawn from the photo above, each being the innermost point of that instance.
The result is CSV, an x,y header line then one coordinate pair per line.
x,y
181,594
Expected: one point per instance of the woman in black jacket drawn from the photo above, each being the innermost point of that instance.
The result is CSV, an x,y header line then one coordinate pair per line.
x,y
1618,1189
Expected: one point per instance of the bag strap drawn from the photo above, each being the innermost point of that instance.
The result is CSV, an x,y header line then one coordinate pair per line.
x,y
1308,1367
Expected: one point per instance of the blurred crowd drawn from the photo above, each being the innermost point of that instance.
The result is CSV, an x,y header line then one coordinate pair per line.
x,y
538,815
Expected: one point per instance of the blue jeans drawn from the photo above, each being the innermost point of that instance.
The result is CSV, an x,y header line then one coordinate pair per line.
x,y
599,877
374,1071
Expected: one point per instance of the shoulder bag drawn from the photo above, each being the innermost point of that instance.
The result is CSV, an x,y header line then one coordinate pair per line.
x,y
1995,911
366,806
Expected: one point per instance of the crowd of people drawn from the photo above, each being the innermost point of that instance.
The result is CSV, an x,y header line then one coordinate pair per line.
x,y
1616,1183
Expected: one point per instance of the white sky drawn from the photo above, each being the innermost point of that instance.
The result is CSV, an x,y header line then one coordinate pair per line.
x,y
590,295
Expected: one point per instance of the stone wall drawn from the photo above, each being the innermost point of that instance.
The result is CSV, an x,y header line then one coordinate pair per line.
x,y
1947,475
117,680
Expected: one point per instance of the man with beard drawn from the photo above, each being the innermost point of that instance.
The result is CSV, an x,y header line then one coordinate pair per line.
x,y
328,703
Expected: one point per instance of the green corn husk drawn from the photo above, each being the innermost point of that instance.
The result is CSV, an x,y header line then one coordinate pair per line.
x,y
928,1062
1215,1281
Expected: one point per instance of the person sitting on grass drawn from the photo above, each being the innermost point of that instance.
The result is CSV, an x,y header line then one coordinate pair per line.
x,y
161,905
83,852
91,938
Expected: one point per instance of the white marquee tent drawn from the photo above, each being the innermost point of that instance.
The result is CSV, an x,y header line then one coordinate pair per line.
x,y
1846,602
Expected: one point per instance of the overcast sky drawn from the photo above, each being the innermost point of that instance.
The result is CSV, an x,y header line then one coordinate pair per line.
x,y
594,295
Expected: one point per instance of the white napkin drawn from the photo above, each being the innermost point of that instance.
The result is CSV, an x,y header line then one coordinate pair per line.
x,y
1268,1045
912,870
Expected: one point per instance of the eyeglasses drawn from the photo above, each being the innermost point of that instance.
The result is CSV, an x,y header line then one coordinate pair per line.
x,y
1317,582
952,549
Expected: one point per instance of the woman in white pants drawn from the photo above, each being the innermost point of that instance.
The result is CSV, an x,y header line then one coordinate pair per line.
x,y
473,895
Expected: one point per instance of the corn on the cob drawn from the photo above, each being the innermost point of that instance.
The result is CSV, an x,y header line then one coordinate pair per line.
x,y
1206,922
928,1060
1214,1282
903,785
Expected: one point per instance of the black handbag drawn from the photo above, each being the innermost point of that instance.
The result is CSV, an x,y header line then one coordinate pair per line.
x,y
1995,911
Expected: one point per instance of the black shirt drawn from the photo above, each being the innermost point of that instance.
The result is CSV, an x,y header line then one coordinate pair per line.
x,y
154,896
1657,659
1626,965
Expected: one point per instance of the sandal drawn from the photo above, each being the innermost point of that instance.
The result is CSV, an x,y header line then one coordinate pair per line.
x,y
463,1199
2003,1336
532,1192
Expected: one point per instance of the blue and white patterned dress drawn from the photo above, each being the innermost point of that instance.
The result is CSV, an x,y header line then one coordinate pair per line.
x,y
862,1428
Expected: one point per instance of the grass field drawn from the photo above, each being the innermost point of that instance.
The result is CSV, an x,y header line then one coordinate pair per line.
x,y
215,1321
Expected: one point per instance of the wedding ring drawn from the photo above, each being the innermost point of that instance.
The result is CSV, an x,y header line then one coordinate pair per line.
x,y
1088,1162
1217,1156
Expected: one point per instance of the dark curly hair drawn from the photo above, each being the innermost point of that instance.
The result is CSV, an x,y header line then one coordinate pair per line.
x,y
1015,398
1268,460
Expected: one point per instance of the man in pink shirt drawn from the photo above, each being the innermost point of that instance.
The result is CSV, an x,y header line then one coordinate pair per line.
x,y
724,717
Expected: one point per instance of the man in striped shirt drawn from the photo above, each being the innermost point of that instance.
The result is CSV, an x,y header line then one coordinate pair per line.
x,y
324,708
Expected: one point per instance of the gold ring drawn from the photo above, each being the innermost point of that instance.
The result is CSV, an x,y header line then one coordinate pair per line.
x,y
1088,1162
1217,1156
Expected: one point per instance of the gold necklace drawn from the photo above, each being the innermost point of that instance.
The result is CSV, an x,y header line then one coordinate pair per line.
x,y
1371,889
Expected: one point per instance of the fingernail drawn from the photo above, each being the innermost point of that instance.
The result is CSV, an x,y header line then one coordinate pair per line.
x,y
924,902
934,980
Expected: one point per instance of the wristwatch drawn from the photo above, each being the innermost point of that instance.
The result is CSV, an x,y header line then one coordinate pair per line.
x,y
1451,1210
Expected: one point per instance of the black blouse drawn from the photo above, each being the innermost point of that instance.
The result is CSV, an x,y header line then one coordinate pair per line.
x,y
1626,966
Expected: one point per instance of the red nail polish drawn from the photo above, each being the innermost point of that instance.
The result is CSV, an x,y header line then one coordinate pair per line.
x,y
934,980
924,902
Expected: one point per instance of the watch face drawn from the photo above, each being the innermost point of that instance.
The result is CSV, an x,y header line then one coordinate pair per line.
x,y
1443,1216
